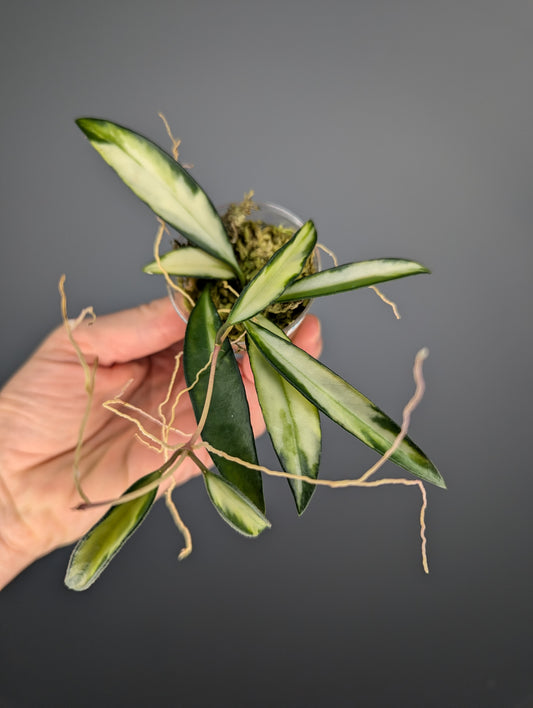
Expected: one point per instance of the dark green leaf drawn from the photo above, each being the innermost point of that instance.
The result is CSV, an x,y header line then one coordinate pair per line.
x,y
341,402
228,424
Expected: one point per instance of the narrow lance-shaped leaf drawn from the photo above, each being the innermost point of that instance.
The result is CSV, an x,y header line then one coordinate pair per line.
x,y
350,276
228,425
191,262
163,184
93,553
284,266
342,402
292,421
234,507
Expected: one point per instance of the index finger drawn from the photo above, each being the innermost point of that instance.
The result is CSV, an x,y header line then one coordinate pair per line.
x,y
127,335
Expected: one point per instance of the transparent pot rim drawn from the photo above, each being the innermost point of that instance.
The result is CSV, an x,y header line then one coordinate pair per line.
x,y
281,212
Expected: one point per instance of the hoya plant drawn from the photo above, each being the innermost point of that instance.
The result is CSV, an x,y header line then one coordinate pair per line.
x,y
240,283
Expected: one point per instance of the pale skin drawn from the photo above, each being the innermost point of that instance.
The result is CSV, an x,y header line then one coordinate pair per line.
x,y
41,408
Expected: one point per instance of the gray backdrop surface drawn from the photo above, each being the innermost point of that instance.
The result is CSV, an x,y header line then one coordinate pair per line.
x,y
403,129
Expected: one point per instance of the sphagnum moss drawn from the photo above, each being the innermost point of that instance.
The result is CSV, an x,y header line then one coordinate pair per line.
x,y
254,243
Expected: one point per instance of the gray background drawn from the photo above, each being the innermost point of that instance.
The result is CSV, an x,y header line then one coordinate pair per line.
x,y
402,128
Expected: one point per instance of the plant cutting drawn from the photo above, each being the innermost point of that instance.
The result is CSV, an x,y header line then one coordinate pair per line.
x,y
240,283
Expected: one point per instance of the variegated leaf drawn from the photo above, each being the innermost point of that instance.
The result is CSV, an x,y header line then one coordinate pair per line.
x,y
349,277
234,507
161,182
292,421
342,402
274,276
93,553
191,262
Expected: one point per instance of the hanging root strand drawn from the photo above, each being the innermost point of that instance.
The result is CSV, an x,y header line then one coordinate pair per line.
x,y
329,252
89,376
420,387
176,142
386,301
182,528
157,244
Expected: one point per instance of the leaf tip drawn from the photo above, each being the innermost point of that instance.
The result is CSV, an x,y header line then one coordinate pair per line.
x,y
83,123
89,126
76,578
436,478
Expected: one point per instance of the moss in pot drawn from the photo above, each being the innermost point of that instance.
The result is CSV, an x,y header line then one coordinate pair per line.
x,y
256,231
245,282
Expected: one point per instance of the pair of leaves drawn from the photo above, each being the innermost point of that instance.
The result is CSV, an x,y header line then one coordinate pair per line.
x,y
292,421
341,402
161,182
95,551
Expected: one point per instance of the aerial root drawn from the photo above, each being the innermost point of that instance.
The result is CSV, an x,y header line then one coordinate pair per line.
x,y
167,424
330,253
230,288
171,284
182,528
176,142
420,387
146,443
187,389
164,402
89,376
109,406
386,300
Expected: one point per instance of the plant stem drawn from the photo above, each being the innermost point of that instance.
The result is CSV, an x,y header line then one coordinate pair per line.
x,y
219,340
198,462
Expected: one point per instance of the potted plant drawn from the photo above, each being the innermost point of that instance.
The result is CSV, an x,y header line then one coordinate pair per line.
x,y
242,281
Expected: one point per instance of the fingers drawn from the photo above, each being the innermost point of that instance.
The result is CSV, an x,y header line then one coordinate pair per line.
x,y
127,335
144,330
308,336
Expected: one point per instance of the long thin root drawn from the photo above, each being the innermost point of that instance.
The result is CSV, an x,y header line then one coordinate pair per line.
x,y
183,529
89,375
386,300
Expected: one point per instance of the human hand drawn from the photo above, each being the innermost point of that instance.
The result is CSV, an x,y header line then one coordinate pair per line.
x,y
41,408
